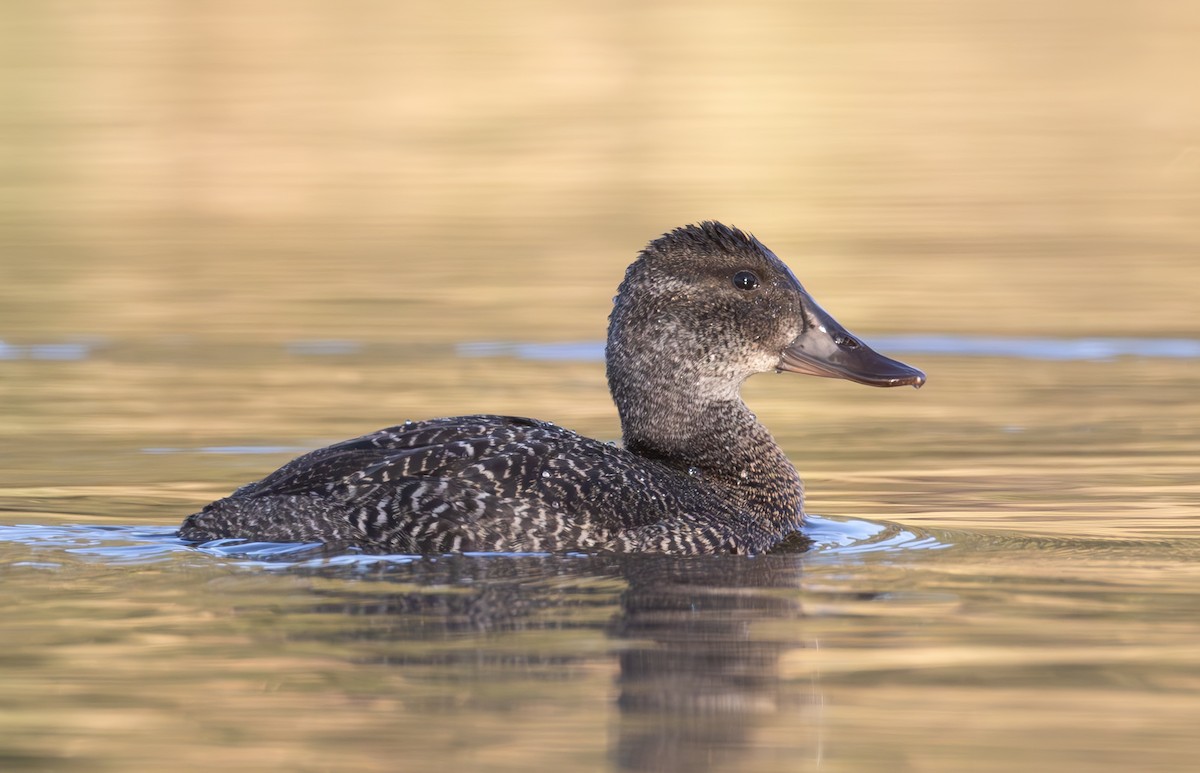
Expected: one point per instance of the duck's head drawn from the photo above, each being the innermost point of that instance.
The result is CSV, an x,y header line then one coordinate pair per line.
x,y
706,306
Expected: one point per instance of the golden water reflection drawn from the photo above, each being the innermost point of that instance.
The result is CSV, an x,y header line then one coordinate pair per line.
x,y
193,194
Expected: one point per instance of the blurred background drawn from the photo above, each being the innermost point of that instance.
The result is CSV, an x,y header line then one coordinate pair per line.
x,y
276,169
231,231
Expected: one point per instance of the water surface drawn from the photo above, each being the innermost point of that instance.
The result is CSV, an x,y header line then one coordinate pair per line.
x,y
989,566
230,233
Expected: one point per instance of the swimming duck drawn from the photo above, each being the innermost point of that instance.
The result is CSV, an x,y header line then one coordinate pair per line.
x,y
700,310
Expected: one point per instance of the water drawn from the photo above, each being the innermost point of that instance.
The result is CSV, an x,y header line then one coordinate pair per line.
x,y
967,346
995,580
228,235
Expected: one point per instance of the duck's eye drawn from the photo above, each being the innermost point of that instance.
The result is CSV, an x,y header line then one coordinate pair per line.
x,y
745,280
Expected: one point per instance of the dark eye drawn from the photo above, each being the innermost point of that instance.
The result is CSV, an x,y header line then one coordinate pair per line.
x,y
745,280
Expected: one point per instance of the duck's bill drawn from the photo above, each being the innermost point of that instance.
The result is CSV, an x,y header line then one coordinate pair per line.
x,y
827,349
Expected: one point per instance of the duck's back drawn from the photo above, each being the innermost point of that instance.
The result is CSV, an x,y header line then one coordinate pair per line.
x,y
481,483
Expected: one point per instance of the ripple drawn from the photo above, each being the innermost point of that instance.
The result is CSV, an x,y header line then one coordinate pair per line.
x,y
120,544
852,536
831,538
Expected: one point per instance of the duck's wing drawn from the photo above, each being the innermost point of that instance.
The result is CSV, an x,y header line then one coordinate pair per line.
x,y
415,487
538,487
498,483
328,469
478,483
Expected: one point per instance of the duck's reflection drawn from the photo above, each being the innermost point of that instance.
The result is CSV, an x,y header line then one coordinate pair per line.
x,y
698,662
699,675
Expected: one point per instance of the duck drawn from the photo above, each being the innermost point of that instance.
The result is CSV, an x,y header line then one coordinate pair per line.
x,y
701,309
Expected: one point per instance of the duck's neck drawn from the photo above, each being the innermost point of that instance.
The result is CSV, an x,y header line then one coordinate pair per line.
x,y
717,438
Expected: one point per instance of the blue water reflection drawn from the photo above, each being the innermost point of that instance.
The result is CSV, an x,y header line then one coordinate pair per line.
x,y
1028,348
59,350
831,538
1019,347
